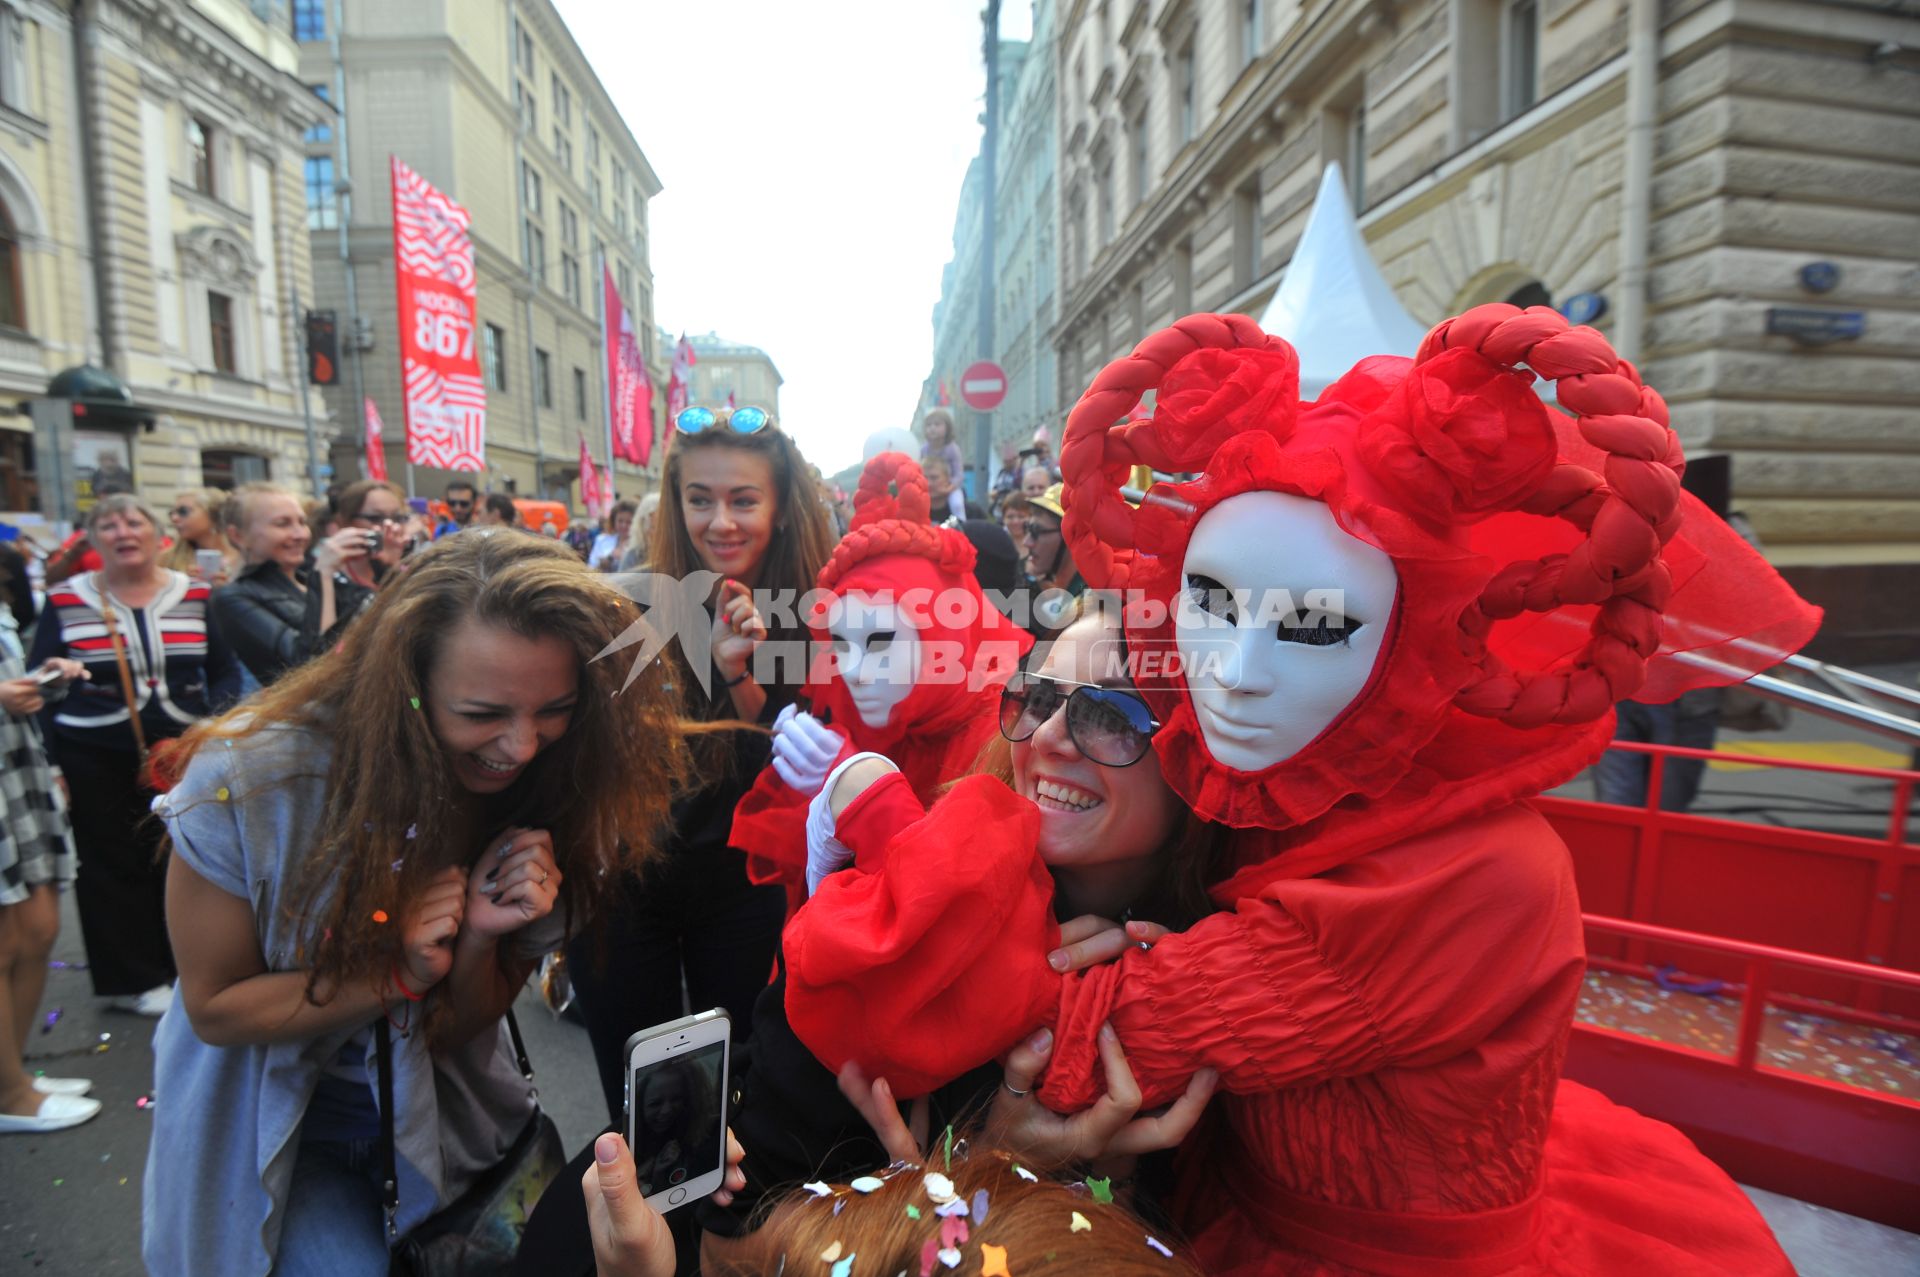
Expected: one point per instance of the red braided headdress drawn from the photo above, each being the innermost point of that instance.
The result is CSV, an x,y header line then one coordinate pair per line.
x,y
1536,556
890,516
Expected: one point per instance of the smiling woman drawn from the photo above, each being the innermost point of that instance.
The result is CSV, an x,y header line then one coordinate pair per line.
x,y
398,829
737,503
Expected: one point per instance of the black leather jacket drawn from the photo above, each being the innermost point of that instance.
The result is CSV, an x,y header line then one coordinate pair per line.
x,y
262,616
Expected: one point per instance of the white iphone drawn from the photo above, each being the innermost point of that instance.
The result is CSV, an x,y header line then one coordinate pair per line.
x,y
677,1107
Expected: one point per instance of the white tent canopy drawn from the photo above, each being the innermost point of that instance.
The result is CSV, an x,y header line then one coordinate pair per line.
x,y
1334,306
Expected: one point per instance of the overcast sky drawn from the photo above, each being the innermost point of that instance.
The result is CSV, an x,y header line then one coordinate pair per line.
x,y
811,155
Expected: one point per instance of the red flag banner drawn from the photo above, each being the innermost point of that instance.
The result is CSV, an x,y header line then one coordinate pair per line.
x,y
680,387
376,446
446,401
629,391
592,494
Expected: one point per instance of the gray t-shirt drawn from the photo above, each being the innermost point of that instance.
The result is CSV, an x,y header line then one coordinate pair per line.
x,y
227,1121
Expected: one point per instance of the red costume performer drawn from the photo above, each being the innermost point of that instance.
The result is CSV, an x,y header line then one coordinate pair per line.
x,y
1388,990
966,651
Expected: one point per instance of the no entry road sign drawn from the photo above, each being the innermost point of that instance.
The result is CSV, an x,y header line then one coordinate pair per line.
x,y
983,386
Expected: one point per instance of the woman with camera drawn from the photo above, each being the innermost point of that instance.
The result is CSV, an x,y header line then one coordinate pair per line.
x,y
350,565
156,665
394,832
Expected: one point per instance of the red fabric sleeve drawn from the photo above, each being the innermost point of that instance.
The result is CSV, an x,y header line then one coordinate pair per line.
x,y
927,958
770,825
1402,958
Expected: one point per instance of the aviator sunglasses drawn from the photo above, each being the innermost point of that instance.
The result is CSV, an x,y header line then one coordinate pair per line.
x,y
742,421
1109,726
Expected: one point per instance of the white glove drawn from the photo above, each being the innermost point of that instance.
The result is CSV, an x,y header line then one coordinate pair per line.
x,y
825,853
803,750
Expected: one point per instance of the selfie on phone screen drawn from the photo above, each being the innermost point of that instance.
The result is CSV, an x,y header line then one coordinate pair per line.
x,y
676,1118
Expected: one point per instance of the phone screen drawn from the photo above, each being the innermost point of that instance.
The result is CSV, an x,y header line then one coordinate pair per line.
x,y
676,1118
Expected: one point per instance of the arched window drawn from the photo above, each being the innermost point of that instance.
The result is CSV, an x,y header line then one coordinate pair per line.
x,y
1531,293
13,301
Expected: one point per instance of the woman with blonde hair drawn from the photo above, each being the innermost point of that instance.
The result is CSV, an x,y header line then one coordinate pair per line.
x,y
155,666
395,831
263,612
199,527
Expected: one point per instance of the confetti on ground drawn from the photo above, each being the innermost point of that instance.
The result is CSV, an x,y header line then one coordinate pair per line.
x,y
1159,1245
144,1102
1794,1041
993,1261
867,1184
53,1018
1079,1224
57,965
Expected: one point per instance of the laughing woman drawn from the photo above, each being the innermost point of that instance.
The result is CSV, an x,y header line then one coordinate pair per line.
x,y
396,830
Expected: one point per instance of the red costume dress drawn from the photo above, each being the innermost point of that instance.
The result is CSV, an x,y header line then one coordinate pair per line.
x,y
1389,990
968,650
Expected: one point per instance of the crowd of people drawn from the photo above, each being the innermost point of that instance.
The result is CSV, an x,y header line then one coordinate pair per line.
x,y
1034,953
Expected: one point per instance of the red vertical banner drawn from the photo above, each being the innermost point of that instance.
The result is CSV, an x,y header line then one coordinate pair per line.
x,y
593,493
629,391
680,388
445,398
376,444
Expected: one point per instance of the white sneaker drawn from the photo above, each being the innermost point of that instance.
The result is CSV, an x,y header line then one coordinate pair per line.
x,y
57,1112
154,1002
62,1085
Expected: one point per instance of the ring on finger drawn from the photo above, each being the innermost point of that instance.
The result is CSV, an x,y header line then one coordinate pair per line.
x,y
1015,1091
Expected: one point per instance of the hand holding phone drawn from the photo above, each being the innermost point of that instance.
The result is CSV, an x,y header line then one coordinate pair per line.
x,y
207,564
676,1121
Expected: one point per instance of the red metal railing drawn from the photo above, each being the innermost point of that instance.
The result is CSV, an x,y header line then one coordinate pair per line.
x,y
1809,891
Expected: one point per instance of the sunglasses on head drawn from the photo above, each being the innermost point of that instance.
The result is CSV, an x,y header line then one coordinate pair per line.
x,y
1108,725
742,421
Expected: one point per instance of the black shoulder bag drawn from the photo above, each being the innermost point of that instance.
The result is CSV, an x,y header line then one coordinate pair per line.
x,y
477,1235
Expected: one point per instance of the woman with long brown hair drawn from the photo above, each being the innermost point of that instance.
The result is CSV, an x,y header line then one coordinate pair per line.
x,y
397,829
737,504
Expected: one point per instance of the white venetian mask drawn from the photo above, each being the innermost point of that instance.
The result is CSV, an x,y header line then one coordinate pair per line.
x,y
876,652
1279,624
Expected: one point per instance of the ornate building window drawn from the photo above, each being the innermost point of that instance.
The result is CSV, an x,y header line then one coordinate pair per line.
x,y
200,164
220,271
220,333
13,60
13,302
309,20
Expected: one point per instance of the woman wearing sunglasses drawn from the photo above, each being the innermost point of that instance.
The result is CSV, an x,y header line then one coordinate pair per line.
x,y
355,561
198,520
736,502
922,952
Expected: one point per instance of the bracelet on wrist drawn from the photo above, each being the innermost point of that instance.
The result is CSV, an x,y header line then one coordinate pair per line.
x,y
742,677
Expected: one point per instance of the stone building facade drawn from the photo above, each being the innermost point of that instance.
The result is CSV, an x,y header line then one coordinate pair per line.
x,y
1026,231
494,103
152,224
725,367
1759,263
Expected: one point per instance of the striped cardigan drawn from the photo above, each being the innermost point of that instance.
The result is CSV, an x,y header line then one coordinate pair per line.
x,y
181,669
